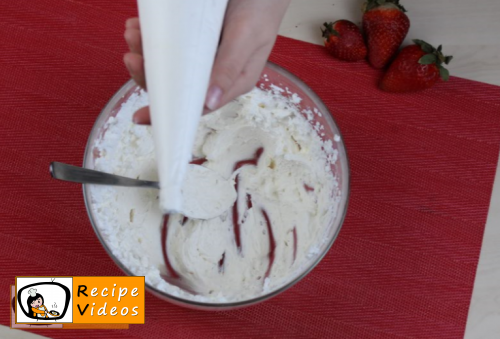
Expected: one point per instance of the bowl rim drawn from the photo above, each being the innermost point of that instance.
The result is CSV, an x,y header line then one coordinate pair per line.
x,y
242,303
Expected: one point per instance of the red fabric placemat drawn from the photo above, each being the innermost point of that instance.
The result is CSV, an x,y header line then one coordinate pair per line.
x,y
422,172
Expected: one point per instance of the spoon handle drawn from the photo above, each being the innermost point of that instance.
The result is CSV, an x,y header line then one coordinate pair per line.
x,y
81,175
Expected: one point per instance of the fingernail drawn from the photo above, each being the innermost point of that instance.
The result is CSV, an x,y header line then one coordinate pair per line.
x,y
142,117
214,96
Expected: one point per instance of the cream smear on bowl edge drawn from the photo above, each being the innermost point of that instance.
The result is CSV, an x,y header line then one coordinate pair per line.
x,y
287,199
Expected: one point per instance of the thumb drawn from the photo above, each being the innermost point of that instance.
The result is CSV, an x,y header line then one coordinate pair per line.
x,y
232,56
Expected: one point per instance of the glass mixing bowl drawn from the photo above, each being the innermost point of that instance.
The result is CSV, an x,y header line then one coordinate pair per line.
x,y
272,75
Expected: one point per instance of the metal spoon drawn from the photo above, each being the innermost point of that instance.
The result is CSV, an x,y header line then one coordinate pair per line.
x,y
66,172
206,194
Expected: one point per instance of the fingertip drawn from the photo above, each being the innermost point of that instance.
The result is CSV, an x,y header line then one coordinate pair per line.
x,y
132,23
128,60
136,62
135,65
133,38
214,96
127,35
142,116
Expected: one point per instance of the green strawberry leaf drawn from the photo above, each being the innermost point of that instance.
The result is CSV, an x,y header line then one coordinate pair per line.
x,y
447,59
329,30
372,4
427,48
402,8
444,73
396,2
428,59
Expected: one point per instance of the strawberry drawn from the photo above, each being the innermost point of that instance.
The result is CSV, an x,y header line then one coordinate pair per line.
x,y
385,25
344,40
415,68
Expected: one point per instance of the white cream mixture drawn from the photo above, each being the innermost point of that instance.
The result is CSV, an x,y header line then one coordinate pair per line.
x,y
287,199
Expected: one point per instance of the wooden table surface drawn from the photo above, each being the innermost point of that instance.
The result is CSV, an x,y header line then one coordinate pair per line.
x,y
468,30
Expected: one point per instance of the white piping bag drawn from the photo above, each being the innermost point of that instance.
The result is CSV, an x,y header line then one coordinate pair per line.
x,y
179,40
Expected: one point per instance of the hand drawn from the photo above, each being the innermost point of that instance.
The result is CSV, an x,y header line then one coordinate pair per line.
x,y
249,33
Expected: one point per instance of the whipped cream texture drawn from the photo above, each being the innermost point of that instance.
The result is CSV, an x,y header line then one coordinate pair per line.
x,y
287,198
